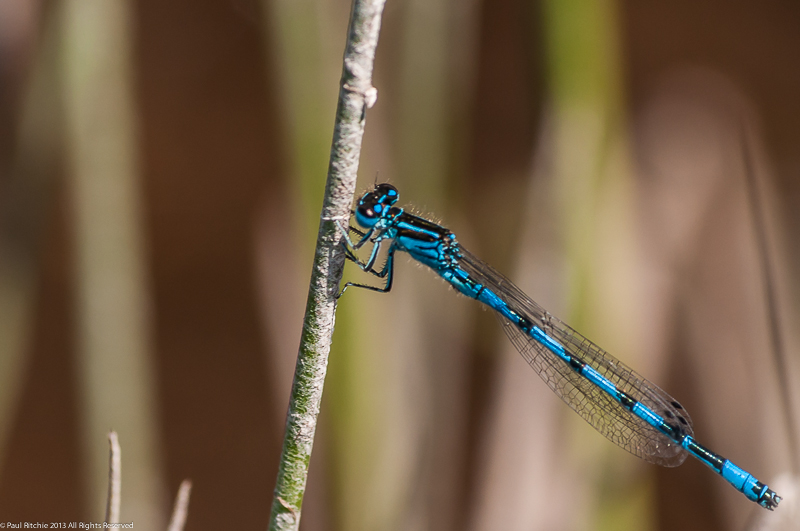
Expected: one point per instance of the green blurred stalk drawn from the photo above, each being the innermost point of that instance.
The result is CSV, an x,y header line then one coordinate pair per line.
x,y
595,197
117,385
424,104
585,81
424,452
304,53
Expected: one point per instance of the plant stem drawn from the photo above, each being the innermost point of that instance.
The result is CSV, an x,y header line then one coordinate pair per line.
x,y
356,94
114,479
181,509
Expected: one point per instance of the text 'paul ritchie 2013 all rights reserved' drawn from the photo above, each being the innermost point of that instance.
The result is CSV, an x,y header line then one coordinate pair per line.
x,y
64,525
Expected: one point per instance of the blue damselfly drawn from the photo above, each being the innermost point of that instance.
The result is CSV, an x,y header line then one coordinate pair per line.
x,y
622,405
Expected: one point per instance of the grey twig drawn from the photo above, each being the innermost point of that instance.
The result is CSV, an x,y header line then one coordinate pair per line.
x,y
181,509
356,94
114,479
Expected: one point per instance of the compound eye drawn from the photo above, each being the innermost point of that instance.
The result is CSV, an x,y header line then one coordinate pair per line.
x,y
368,210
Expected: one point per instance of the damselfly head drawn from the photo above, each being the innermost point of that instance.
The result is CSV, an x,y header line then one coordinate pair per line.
x,y
375,204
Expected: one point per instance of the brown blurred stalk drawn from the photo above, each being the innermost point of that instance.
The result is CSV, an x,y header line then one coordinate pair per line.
x,y
25,200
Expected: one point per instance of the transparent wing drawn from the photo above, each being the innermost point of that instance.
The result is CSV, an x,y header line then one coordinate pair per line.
x,y
600,410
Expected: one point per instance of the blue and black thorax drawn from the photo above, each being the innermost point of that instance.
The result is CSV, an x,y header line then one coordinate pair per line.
x,y
426,241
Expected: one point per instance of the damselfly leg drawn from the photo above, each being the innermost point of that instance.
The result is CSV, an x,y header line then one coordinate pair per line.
x,y
350,253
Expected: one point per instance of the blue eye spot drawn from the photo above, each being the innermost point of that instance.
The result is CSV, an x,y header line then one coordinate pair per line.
x,y
378,208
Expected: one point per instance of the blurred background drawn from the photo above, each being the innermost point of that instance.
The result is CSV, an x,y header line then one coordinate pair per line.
x,y
161,174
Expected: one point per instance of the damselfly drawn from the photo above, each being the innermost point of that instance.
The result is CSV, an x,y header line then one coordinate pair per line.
x,y
626,408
